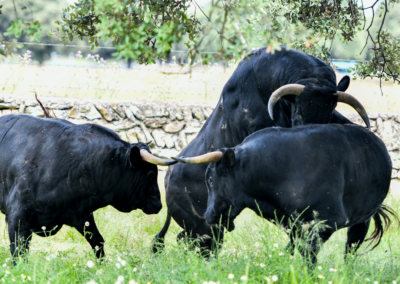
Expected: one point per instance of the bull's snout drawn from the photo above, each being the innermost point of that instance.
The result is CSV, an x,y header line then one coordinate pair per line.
x,y
215,219
152,207
210,216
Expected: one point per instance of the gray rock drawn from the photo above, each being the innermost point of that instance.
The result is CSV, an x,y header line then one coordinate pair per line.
x,y
21,108
60,113
155,122
123,125
8,106
154,111
169,142
174,127
190,137
187,113
193,123
119,110
197,113
129,110
59,105
129,113
106,112
35,111
75,113
158,136
93,114
132,136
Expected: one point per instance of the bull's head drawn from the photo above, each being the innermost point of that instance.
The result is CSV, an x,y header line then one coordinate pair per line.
x,y
139,183
312,104
220,208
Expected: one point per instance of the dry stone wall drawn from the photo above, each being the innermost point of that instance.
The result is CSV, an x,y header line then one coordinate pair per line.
x,y
170,126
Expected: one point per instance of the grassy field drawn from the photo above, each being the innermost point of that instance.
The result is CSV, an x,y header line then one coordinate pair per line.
x,y
93,78
253,253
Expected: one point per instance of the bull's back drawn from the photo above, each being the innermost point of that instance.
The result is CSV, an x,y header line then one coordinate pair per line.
x,y
331,163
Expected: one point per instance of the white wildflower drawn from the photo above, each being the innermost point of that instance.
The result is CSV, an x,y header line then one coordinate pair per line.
x,y
90,264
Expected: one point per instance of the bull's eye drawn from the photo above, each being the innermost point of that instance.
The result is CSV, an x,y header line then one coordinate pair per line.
x,y
151,175
210,180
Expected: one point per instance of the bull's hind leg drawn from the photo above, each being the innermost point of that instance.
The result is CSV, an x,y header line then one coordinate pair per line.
x,y
356,236
89,230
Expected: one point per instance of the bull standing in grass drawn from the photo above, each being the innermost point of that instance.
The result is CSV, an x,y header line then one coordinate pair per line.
x,y
338,174
55,173
294,87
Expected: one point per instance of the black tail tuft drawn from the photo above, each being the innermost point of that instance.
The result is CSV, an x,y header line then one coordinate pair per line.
x,y
382,224
46,112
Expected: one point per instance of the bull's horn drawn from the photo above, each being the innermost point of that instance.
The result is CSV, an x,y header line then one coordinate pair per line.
x,y
212,157
146,156
354,103
289,89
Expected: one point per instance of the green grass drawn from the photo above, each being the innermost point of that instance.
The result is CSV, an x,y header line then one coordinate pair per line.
x,y
255,249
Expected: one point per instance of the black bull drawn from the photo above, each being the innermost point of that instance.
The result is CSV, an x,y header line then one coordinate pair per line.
x,y
342,172
242,110
53,172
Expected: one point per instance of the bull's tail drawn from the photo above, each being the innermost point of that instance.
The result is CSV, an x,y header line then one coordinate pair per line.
x,y
46,112
158,241
382,224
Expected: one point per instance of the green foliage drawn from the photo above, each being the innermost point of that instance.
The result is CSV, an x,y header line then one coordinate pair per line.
x,y
145,30
29,20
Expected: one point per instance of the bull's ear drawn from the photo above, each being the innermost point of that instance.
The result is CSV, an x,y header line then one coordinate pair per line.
x,y
228,159
134,156
344,84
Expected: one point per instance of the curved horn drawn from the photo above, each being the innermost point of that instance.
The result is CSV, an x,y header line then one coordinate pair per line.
x,y
289,89
150,158
354,103
212,157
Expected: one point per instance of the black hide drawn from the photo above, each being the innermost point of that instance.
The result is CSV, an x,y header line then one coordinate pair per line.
x,y
342,172
242,110
53,172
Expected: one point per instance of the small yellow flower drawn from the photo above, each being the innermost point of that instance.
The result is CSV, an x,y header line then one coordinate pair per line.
x,y
274,278
257,244
321,276
255,263
231,276
262,265
291,257
268,279
245,247
243,278
332,269
281,253
367,279
29,278
276,245
319,267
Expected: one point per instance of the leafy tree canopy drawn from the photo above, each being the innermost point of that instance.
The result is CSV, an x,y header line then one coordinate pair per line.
x,y
145,30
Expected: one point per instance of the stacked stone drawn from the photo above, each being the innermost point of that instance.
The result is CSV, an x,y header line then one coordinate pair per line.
x,y
170,126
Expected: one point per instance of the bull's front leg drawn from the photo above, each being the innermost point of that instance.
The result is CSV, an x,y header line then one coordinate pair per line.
x,y
89,230
19,233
